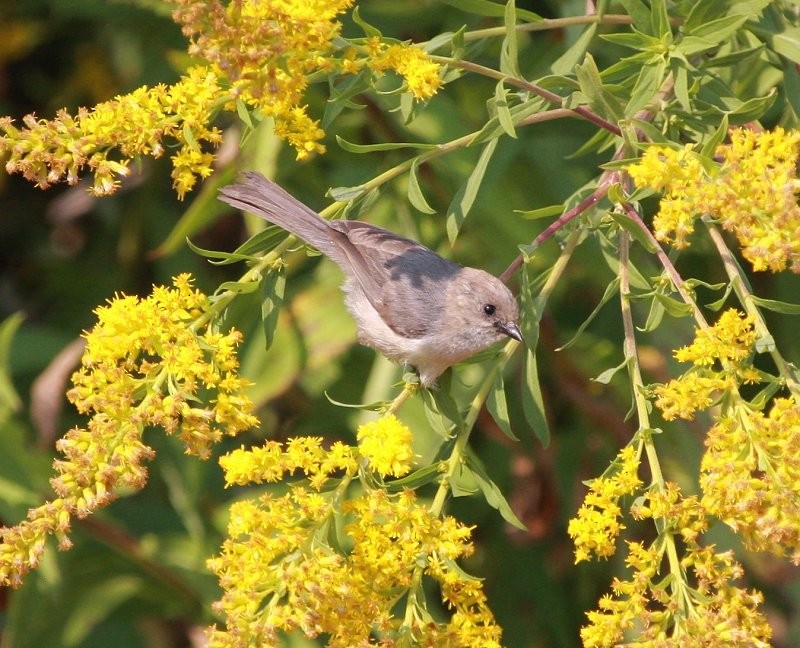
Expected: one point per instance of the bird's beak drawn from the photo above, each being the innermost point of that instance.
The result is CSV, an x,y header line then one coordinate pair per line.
x,y
511,330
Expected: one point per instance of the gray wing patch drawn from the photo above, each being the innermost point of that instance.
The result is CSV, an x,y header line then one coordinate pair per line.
x,y
403,280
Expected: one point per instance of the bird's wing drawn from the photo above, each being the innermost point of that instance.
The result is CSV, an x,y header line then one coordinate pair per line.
x,y
403,280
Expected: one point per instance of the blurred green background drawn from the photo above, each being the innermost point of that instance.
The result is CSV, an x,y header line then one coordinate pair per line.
x,y
136,575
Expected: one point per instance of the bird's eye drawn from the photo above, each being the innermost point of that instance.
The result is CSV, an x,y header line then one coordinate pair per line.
x,y
489,309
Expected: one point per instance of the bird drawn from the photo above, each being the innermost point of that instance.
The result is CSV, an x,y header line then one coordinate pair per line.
x,y
409,303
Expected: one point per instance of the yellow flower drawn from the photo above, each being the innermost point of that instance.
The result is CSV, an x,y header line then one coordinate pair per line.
x,y
413,64
750,476
752,192
279,574
596,525
144,365
386,444
143,122
722,358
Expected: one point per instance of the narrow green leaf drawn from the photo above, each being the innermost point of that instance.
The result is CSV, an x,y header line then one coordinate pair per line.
x,y
205,208
417,478
542,212
273,286
719,303
415,195
509,52
654,316
369,30
787,308
533,402
659,18
494,496
637,10
383,146
238,287
9,399
465,197
493,9
492,129
673,306
221,258
375,406
611,289
498,407
635,40
634,230
605,377
649,81
565,64
787,43
591,85
345,194
502,110
716,138
244,114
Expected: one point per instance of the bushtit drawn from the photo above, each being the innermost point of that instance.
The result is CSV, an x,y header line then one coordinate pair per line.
x,y
408,302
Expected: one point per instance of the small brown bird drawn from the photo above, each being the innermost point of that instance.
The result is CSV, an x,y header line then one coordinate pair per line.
x,y
409,303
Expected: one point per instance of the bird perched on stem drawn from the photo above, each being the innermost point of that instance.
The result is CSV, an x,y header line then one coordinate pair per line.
x,y
409,303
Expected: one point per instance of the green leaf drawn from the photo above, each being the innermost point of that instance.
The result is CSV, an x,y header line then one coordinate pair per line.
x,y
502,110
637,10
441,409
383,146
465,197
238,287
533,402
494,496
787,308
649,81
9,399
417,478
787,43
716,138
605,377
493,9
719,303
415,196
659,18
509,52
707,35
273,286
369,30
205,208
244,114
599,99
542,212
565,64
634,230
493,129
498,407
346,194
611,290
673,306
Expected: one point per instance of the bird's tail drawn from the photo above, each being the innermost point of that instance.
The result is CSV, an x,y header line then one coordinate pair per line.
x,y
262,197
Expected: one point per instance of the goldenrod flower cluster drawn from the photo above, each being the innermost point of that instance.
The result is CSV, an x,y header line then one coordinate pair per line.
x,y
260,52
106,138
750,475
386,445
752,191
148,362
420,73
321,563
672,602
597,523
721,361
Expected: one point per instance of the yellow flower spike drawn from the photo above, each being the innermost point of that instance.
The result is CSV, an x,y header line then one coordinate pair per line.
x,y
136,349
752,193
386,444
